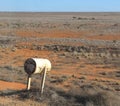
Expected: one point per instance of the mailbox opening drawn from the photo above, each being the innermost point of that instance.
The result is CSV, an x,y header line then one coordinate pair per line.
x,y
29,66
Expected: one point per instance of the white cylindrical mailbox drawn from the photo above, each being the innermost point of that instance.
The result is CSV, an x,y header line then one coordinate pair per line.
x,y
36,65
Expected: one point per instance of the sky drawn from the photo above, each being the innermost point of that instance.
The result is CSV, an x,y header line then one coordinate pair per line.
x,y
60,5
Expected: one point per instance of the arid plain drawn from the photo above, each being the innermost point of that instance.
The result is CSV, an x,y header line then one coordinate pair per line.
x,y
84,49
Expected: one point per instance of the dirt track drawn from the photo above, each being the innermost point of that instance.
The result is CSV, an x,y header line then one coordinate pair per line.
x,y
84,49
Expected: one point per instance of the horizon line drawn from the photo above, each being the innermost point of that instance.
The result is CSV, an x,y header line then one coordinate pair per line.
x,y
62,11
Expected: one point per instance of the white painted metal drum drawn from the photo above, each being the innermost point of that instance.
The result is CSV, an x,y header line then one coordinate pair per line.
x,y
36,65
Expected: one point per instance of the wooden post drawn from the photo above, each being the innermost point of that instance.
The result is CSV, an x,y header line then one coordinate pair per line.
x,y
43,80
28,82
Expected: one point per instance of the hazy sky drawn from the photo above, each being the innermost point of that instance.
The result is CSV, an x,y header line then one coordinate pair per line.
x,y
60,5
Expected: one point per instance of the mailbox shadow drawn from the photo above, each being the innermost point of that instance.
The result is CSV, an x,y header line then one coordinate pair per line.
x,y
11,92
22,94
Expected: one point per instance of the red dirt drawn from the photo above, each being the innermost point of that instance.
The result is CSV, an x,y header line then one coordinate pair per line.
x,y
68,34
11,85
53,33
105,37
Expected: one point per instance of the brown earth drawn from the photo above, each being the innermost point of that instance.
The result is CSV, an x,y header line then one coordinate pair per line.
x,y
13,85
84,49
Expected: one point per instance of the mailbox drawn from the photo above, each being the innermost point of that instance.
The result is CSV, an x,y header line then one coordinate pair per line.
x,y
36,66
